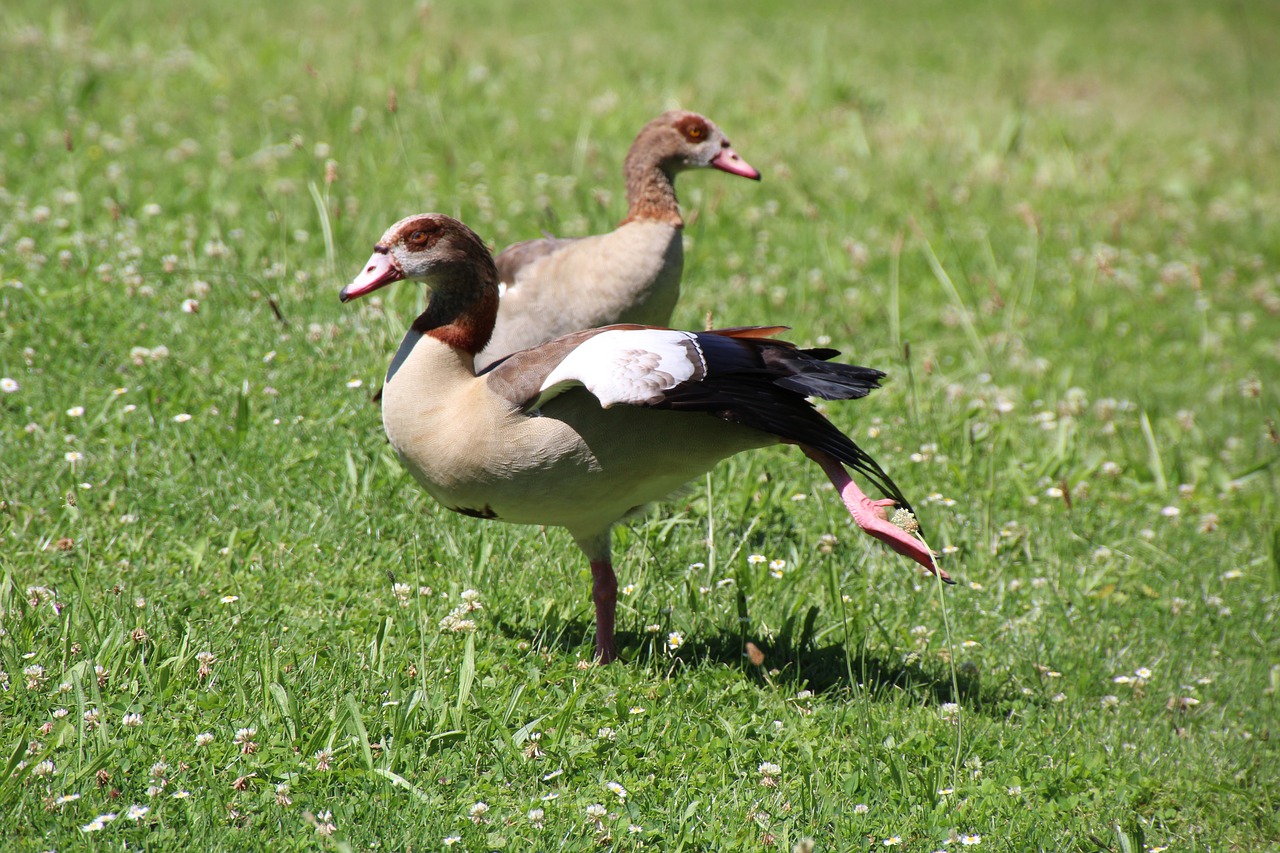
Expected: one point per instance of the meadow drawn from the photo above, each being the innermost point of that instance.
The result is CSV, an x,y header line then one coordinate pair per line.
x,y
225,608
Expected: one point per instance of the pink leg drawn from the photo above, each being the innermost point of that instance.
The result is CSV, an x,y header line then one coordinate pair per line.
x,y
604,591
871,515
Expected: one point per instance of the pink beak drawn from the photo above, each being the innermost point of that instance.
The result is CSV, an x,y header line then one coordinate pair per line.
x,y
729,161
381,270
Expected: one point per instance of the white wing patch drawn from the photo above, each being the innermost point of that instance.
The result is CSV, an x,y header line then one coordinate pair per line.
x,y
628,366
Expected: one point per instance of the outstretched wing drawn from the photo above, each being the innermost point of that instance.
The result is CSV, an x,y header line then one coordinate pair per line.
x,y
738,375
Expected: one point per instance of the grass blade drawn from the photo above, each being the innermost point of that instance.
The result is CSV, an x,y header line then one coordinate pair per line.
x,y
467,674
322,210
966,316
1154,461
356,721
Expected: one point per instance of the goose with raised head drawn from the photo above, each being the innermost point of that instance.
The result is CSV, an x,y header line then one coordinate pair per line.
x,y
554,286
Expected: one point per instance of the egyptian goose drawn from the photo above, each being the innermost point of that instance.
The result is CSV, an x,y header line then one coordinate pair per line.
x,y
554,286
580,431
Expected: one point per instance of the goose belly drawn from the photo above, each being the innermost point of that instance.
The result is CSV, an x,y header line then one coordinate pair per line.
x,y
576,465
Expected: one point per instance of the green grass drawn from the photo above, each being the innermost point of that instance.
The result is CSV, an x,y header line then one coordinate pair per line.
x,y
1054,225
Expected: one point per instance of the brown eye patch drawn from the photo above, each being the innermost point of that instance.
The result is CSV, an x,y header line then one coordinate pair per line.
x,y
422,234
693,128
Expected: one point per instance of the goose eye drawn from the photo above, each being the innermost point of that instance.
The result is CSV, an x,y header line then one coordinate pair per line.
x,y
418,237
696,133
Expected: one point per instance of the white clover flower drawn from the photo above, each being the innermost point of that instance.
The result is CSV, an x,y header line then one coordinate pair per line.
x,y
34,675
204,739
131,720
456,625
861,808
906,520
595,811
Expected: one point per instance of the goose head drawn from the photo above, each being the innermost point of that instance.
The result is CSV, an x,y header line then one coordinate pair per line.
x,y
679,140
428,247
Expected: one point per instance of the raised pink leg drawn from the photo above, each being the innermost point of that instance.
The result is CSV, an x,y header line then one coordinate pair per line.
x,y
604,591
871,515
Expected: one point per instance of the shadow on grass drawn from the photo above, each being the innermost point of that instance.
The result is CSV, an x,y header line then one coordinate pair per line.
x,y
791,658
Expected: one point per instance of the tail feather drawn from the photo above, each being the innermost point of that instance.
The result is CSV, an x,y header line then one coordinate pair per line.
x,y
763,383
783,412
